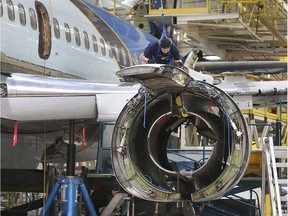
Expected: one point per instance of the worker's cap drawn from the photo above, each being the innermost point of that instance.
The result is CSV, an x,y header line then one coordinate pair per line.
x,y
165,43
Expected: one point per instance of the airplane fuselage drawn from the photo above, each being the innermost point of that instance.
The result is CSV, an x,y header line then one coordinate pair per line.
x,y
73,39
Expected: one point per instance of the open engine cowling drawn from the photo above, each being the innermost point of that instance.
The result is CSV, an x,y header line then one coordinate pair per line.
x,y
169,98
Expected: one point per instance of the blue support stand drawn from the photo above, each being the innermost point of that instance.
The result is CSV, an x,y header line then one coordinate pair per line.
x,y
69,203
71,184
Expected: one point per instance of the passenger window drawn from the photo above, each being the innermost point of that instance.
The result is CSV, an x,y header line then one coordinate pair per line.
x,y
103,49
22,15
11,12
77,36
109,49
124,56
130,60
33,21
113,51
67,32
120,55
86,40
56,28
1,8
95,44
136,58
117,52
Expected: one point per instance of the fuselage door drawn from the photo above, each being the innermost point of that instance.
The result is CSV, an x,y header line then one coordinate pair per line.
x,y
44,46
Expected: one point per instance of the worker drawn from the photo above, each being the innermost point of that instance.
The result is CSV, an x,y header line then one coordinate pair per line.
x,y
162,51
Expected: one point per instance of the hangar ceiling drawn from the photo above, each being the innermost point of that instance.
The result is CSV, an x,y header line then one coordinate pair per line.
x,y
231,29
234,30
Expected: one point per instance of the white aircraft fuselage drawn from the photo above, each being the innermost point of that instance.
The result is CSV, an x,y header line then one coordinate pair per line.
x,y
85,41
73,39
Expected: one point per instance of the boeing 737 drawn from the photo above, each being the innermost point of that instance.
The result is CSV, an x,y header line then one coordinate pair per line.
x,y
72,60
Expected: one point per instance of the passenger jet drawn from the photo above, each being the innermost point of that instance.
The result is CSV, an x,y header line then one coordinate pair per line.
x,y
72,60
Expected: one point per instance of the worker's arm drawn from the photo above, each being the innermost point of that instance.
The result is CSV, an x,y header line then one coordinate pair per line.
x,y
147,55
143,58
176,56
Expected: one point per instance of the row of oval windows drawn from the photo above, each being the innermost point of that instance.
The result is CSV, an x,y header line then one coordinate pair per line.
x,y
122,55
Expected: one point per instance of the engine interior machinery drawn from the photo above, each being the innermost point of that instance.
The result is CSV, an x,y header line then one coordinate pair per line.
x,y
169,98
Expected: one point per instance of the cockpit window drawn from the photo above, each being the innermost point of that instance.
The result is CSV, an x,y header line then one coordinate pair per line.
x,y
67,32
11,12
56,28
32,16
22,15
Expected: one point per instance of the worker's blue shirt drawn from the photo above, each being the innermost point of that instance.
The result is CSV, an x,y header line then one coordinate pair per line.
x,y
154,51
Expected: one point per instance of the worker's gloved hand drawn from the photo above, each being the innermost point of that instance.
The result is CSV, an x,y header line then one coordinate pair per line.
x,y
151,61
179,64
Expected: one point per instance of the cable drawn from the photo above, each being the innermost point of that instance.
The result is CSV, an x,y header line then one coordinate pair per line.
x,y
44,168
163,23
145,100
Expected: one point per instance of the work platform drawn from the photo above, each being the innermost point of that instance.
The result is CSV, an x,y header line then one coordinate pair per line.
x,y
231,30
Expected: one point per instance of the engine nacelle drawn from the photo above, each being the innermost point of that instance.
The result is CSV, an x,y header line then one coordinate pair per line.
x,y
169,98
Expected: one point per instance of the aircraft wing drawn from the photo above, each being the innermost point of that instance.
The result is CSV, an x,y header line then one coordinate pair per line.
x,y
36,111
256,94
36,98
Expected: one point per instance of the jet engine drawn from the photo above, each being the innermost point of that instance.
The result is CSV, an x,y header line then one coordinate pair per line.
x,y
169,98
